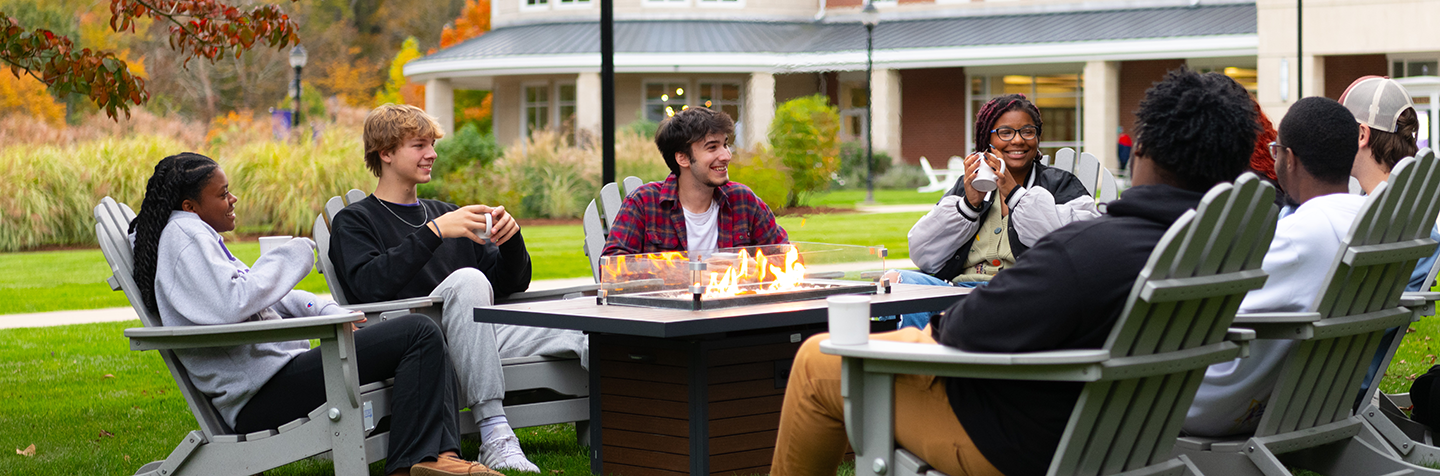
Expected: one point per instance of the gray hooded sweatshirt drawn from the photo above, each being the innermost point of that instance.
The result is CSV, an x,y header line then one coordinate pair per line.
x,y
198,282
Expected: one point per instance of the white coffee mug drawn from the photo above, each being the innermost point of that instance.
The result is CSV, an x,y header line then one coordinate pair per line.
x,y
849,319
985,177
268,243
484,235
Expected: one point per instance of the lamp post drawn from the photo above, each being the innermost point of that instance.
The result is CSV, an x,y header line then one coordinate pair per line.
x,y
869,16
297,61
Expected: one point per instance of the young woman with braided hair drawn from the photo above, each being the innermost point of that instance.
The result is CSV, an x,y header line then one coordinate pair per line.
x,y
187,275
970,235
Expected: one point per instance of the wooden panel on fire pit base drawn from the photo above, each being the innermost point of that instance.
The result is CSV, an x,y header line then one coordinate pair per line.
x,y
650,412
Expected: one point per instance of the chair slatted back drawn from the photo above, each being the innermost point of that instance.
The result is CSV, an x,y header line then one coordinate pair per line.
x,y
322,234
598,220
1360,300
1064,159
1185,296
1096,179
112,224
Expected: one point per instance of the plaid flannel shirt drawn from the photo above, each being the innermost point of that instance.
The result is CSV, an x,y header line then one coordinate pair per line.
x,y
652,220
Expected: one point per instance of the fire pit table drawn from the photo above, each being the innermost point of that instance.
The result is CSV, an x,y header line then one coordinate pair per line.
x,y
698,392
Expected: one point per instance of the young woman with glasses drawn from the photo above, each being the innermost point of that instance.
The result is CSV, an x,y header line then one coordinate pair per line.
x,y
971,235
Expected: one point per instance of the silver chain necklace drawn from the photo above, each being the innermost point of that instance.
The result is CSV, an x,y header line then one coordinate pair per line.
x,y
424,210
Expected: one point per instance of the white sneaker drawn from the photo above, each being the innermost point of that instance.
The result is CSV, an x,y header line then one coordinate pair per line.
x,y
502,451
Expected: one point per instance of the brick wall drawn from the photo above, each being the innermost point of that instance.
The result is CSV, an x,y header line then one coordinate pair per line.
x,y
1340,71
1135,78
933,107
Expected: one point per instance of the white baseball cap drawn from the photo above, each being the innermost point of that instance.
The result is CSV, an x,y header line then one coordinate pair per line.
x,y
1377,102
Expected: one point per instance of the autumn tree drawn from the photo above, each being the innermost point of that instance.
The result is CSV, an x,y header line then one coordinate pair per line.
x,y
205,29
397,89
474,21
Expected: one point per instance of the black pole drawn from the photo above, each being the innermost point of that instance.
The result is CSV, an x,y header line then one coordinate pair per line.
x,y
607,91
295,118
869,119
1299,52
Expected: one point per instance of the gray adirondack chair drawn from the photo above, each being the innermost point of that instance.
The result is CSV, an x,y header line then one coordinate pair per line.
x,y
598,220
1139,384
561,384
1309,420
343,425
1097,179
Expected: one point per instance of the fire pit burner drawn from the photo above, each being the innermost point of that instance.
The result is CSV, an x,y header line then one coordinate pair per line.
x,y
687,301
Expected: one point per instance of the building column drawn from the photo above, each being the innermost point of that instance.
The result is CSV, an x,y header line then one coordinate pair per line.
x,y
885,111
588,108
1314,75
759,109
440,103
1102,112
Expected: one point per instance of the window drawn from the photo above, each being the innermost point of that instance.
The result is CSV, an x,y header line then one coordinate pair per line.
x,y
536,3
572,3
853,99
723,97
663,100
722,3
1404,68
1059,97
537,108
667,3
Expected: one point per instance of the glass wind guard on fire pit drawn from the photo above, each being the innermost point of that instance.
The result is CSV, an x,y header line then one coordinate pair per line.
x,y
733,277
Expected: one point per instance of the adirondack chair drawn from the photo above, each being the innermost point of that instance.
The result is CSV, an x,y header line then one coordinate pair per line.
x,y
941,179
1309,421
1138,386
561,383
344,425
598,222
1095,177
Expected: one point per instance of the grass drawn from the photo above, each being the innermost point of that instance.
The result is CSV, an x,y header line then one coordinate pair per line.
x,y
849,198
92,406
69,280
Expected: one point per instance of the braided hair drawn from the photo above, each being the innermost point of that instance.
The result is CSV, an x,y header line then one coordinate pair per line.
x,y
177,178
991,112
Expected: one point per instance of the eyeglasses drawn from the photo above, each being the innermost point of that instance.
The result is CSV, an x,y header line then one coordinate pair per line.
x,y
1008,134
1275,149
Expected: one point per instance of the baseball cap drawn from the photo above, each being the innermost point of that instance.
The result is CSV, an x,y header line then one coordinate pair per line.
x,y
1376,102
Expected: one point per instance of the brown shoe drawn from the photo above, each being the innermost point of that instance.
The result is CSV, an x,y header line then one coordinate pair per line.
x,y
451,466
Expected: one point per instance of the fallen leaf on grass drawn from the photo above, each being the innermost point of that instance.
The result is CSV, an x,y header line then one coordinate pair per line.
x,y
108,376
557,471
142,392
28,451
105,434
127,457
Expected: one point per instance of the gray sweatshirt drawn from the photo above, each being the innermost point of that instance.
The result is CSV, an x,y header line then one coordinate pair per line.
x,y
198,282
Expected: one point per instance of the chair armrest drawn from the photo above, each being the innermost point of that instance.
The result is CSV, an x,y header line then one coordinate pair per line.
x,y
1242,337
1278,325
549,294
224,335
934,359
1426,302
396,305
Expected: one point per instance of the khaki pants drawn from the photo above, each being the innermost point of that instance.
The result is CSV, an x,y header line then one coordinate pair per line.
x,y
812,423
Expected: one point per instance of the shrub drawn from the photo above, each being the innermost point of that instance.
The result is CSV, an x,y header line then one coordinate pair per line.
x,y
852,165
466,147
764,173
803,136
902,176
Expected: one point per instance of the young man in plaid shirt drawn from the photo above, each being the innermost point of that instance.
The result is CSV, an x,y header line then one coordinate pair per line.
x,y
696,208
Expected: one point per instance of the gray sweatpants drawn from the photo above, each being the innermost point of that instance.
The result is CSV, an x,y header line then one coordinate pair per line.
x,y
476,348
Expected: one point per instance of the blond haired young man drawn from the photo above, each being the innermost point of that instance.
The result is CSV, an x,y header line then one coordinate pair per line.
x,y
394,245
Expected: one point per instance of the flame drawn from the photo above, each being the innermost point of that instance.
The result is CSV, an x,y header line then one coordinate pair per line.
x,y
757,274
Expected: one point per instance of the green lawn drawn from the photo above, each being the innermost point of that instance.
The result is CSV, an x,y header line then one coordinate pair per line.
x,y
848,198
92,406
66,280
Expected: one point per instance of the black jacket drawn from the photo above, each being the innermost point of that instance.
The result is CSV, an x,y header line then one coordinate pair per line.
x,y
1063,185
1065,293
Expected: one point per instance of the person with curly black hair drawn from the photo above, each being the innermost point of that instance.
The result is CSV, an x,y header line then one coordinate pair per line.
x,y
1066,292
970,236
188,277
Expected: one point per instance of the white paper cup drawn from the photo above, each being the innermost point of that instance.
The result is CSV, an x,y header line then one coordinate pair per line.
x,y
849,319
268,243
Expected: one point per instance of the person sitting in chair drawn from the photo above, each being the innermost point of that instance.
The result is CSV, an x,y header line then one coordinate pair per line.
x,y
1313,155
188,277
696,208
1066,292
970,236
395,245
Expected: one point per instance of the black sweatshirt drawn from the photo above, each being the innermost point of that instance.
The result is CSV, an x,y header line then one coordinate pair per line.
x,y
379,258
1066,292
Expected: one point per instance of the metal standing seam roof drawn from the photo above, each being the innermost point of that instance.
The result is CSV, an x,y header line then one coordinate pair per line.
x,y
728,36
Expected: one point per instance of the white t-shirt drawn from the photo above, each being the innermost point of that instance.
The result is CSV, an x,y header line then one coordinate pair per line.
x,y
702,229
1233,396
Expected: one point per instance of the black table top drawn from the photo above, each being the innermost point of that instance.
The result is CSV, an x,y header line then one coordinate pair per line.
x,y
585,315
